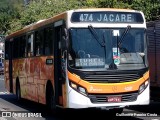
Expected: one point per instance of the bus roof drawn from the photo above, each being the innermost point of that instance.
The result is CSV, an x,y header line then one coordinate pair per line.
x,y
105,9
36,25
40,23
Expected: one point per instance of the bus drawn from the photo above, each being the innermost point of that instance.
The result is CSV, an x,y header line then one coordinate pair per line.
x,y
82,58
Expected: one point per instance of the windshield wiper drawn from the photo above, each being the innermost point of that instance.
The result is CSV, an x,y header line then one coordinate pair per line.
x,y
123,35
94,33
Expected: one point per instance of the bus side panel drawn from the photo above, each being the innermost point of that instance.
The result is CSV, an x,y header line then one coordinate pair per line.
x,y
46,73
38,73
35,82
19,73
33,74
22,63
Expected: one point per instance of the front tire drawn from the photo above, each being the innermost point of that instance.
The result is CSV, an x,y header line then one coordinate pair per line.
x,y
18,91
50,99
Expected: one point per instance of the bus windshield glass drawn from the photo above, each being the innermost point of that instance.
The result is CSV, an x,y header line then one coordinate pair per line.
x,y
127,52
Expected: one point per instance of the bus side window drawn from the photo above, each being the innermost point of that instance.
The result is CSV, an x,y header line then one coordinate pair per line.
x,y
30,45
22,46
38,43
16,48
48,41
6,50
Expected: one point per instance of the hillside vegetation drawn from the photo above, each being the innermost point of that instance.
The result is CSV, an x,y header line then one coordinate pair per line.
x,y
14,14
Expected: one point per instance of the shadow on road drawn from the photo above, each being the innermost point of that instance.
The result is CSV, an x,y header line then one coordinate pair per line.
x,y
153,107
93,114
63,114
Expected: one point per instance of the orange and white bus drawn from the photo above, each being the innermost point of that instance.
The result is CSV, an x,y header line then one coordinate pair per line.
x,y
81,58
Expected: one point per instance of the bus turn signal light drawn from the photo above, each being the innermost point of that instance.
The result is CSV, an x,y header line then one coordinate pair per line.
x,y
78,88
143,86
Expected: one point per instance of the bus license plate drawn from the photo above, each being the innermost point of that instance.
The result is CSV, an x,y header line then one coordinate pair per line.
x,y
114,98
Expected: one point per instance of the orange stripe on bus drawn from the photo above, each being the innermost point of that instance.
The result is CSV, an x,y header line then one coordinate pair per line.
x,y
109,87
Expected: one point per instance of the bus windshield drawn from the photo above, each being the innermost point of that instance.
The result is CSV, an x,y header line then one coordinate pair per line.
x,y
127,52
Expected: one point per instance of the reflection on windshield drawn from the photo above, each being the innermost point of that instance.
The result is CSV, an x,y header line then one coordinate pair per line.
x,y
86,53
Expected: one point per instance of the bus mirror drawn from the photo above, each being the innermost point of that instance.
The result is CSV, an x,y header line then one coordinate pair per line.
x,y
63,42
65,54
65,38
65,32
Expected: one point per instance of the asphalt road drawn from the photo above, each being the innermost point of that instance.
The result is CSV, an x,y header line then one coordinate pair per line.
x,y
2,85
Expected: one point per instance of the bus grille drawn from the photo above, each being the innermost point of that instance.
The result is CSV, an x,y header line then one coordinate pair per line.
x,y
111,78
129,97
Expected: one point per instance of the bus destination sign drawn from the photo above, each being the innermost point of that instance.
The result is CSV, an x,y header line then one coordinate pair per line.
x,y
107,17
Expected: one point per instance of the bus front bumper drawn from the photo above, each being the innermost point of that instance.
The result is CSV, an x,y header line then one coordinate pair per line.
x,y
77,100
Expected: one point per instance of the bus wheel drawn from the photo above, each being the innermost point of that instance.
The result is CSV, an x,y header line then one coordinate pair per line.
x,y
18,91
50,100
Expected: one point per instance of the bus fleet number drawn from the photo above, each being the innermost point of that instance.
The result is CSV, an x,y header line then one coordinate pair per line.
x,y
86,17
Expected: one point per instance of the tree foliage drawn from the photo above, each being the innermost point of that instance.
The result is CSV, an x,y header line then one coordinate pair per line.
x,y
14,15
8,12
151,8
43,9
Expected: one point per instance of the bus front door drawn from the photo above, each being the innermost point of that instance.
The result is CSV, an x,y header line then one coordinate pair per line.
x,y
57,66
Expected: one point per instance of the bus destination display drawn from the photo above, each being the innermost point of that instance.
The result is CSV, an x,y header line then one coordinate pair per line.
x,y
107,17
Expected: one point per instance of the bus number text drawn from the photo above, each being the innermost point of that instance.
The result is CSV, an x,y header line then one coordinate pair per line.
x,y
86,17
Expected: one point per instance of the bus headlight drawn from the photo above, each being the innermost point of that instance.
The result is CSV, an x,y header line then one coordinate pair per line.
x,y
74,86
78,88
82,90
143,86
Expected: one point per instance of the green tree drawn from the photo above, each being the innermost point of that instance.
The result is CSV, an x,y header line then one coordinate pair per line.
x,y
8,12
43,9
16,15
151,8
